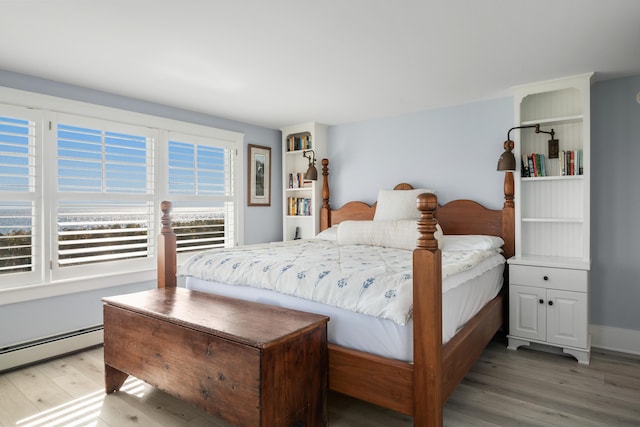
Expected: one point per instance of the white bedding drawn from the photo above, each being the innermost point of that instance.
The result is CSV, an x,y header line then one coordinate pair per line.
x,y
371,280
374,335
373,313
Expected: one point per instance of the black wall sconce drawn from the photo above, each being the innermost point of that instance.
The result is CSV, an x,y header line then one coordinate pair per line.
x,y
312,172
507,161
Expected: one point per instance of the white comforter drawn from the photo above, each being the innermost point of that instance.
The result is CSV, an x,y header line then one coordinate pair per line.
x,y
371,280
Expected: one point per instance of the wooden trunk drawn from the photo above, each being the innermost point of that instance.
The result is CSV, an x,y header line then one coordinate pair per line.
x,y
250,364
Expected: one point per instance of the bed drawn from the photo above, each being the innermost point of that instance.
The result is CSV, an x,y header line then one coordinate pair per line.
x,y
417,385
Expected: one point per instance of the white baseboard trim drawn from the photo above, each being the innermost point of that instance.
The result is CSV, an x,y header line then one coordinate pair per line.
x,y
615,339
606,337
46,348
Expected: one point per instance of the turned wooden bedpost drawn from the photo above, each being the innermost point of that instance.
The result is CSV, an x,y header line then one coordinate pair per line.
x,y
508,217
427,318
325,210
166,250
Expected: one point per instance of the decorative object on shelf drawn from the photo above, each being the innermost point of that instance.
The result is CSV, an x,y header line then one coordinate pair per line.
x,y
312,172
259,179
507,161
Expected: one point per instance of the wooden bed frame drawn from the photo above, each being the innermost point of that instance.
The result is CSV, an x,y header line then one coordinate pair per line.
x,y
421,388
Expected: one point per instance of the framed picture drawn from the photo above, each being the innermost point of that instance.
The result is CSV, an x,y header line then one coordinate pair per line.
x,y
259,191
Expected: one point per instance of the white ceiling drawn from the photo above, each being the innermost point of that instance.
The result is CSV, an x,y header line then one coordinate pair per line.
x,y
282,62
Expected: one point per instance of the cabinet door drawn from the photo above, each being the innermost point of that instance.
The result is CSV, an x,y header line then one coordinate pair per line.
x,y
527,318
567,318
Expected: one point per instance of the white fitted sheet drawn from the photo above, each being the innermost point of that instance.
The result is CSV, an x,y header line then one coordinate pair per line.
x,y
375,335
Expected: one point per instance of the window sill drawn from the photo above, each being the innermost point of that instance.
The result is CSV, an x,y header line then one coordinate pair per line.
x,y
24,293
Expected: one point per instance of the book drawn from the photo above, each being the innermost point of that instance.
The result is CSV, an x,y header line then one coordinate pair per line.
x,y
524,167
580,163
535,164
572,162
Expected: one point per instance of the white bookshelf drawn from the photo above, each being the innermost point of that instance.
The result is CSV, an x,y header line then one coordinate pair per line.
x,y
549,274
307,222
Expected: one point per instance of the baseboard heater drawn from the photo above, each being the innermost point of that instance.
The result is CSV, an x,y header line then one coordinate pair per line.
x,y
46,348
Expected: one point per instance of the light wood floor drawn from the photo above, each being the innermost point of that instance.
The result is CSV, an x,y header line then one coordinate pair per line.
x,y
504,388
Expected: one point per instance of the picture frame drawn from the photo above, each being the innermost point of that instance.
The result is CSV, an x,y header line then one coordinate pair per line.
x,y
259,176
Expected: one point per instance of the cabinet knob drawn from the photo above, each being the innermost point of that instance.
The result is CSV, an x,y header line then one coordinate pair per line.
x,y
550,302
541,301
545,278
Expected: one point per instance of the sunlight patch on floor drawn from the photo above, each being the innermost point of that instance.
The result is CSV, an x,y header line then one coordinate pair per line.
x,y
83,411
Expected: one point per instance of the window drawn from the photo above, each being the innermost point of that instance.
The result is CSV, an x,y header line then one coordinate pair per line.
x,y
20,233
104,196
200,185
80,196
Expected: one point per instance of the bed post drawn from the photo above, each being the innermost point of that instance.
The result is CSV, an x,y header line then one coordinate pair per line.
x,y
508,217
325,210
166,250
427,319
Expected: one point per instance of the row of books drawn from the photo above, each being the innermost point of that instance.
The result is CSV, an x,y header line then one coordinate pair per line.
x,y
299,142
569,162
299,206
296,180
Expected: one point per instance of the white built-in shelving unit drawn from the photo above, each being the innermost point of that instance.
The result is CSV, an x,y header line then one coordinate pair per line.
x,y
306,195
549,275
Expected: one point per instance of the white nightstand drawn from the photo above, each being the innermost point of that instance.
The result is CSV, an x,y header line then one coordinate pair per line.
x,y
549,305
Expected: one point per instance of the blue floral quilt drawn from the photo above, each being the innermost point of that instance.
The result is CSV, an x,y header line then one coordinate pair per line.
x,y
371,280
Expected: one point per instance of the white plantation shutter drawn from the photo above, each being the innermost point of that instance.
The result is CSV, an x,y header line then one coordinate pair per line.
x,y
200,184
104,196
80,192
19,196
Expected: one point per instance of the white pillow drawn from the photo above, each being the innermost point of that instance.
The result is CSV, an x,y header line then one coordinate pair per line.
x,y
398,204
453,243
330,233
401,234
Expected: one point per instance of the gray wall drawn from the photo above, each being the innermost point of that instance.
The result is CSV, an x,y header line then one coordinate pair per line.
x,y
615,203
39,318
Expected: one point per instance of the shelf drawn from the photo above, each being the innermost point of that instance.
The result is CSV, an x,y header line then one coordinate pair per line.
x,y
298,142
550,261
296,189
555,120
552,178
299,216
554,220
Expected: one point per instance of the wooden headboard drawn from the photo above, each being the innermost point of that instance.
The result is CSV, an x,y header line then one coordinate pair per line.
x,y
455,217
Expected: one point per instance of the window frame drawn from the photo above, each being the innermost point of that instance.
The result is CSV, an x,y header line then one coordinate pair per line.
x,y
127,265
49,107
39,228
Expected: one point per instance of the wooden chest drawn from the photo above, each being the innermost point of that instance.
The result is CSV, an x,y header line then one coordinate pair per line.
x,y
250,364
